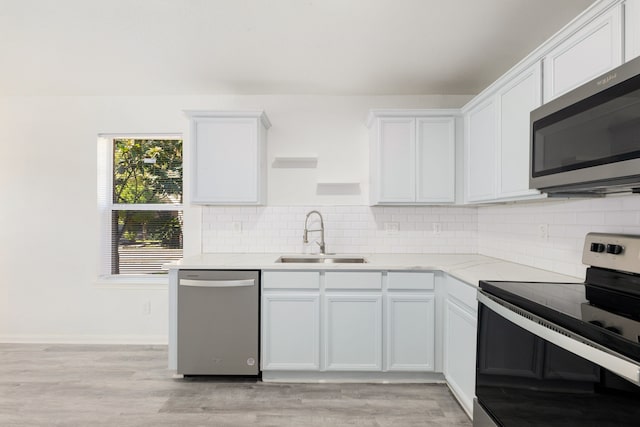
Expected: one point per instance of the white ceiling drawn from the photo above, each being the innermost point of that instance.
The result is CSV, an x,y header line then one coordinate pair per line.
x,y
347,47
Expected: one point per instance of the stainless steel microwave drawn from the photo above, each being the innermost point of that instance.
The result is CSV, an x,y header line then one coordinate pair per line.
x,y
587,141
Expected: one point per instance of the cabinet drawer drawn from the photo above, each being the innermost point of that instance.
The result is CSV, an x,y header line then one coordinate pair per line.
x,y
463,292
410,280
353,280
291,280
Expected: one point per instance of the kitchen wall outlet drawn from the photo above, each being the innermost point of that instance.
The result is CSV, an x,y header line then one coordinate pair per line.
x,y
391,228
146,308
237,227
543,231
437,228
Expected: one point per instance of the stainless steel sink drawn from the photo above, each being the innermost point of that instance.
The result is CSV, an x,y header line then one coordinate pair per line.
x,y
322,259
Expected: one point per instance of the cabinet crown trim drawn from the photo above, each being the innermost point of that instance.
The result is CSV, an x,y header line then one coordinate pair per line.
x,y
255,114
431,112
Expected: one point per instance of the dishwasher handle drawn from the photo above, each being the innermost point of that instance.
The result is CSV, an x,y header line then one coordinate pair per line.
x,y
202,283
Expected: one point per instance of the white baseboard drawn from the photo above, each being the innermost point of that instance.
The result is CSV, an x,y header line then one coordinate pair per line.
x,y
352,377
462,400
85,339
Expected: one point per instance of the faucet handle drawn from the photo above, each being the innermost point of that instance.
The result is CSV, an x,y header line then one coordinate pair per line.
x,y
305,238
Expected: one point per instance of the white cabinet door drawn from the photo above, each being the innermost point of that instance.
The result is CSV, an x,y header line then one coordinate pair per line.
x,y
353,332
480,144
291,331
396,159
459,341
591,51
435,160
410,332
521,95
412,156
631,29
460,352
228,157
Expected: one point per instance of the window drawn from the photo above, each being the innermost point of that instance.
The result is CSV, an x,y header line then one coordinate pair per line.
x,y
141,201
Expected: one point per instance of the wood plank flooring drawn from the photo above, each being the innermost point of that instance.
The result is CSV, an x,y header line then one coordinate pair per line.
x,y
109,385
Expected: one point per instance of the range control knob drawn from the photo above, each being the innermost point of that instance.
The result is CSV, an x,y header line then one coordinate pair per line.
x,y
614,249
597,247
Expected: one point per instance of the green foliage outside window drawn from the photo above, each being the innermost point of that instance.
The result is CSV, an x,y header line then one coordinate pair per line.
x,y
146,171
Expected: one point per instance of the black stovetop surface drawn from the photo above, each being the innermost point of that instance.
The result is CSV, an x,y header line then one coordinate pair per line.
x,y
560,303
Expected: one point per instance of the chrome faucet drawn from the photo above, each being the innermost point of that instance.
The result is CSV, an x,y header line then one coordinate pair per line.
x,y
305,238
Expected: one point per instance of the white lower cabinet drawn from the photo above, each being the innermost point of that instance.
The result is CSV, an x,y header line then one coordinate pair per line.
x,y
348,321
353,332
410,332
291,331
460,328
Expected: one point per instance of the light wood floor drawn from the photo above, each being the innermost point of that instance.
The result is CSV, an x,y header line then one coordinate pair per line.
x,y
107,385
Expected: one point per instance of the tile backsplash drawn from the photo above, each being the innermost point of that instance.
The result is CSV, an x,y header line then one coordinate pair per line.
x,y
513,232
348,229
547,234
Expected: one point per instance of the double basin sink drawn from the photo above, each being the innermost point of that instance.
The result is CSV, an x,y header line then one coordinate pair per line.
x,y
321,259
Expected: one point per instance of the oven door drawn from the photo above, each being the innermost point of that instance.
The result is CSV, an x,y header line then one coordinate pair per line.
x,y
528,374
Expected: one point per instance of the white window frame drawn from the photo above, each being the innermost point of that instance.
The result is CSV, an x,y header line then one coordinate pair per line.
x,y
106,207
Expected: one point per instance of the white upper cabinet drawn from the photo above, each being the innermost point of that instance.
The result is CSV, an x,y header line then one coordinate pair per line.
x,y
516,100
228,157
412,156
592,50
435,160
395,160
497,151
497,140
631,29
480,149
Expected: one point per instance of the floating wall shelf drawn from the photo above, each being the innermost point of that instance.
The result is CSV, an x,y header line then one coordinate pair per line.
x,y
295,162
332,187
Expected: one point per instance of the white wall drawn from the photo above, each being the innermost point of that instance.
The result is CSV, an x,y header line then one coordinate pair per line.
x,y
511,232
49,257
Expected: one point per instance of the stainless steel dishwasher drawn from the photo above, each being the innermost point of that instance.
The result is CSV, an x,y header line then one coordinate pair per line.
x,y
218,322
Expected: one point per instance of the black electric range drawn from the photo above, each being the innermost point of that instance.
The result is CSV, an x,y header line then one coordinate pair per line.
x,y
563,354
567,305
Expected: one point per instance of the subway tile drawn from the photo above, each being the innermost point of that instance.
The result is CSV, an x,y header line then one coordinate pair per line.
x,y
631,203
590,218
380,218
423,210
608,203
621,218
506,231
399,218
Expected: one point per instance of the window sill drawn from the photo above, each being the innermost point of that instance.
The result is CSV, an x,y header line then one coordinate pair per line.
x,y
132,282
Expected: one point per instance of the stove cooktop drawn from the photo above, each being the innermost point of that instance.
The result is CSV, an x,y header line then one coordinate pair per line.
x,y
564,304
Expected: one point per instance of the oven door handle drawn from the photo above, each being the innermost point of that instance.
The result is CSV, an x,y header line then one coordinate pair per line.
x,y
616,363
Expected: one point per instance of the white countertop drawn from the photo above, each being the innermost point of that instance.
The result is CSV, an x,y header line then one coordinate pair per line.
x,y
469,268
